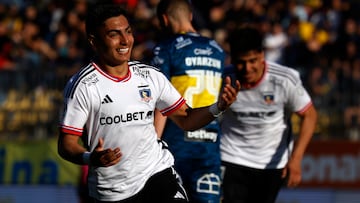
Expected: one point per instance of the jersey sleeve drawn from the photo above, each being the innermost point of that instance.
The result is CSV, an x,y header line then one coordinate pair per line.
x,y
76,110
169,99
299,99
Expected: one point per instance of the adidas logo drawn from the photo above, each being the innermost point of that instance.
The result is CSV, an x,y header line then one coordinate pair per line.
x,y
178,195
107,100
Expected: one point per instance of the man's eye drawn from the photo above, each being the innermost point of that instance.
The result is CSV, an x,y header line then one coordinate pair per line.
x,y
113,34
253,61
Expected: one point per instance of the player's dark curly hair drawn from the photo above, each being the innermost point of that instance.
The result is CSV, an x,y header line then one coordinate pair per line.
x,y
244,39
98,13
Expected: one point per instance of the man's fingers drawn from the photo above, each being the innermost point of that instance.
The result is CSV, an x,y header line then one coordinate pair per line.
x,y
100,145
113,162
228,80
228,94
111,157
238,85
105,157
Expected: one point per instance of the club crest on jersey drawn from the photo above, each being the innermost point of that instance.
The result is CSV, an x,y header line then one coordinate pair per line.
x,y
145,95
268,98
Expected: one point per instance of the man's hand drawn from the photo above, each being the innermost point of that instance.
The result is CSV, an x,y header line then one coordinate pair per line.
x,y
104,157
228,94
292,171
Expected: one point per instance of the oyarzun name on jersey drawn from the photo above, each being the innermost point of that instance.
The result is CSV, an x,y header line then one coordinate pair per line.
x,y
203,61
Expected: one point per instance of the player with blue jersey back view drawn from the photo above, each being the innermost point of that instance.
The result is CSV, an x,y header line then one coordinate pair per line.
x,y
194,65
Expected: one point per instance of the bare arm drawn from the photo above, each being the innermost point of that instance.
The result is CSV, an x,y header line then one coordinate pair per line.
x,y
293,168
192,119
70,149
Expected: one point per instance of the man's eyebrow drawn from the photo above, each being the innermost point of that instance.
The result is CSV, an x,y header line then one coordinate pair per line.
x,y
119,30
128,27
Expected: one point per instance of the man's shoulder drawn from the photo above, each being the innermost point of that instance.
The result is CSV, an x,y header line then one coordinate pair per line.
x,y
183,40
83,73
272,66
143,70
206,41
141,65
283,71
81,80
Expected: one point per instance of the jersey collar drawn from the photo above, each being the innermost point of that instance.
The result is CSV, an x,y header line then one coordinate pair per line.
x,y
111,77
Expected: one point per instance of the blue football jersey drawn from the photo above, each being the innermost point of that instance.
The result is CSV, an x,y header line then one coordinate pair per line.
x,y
194,65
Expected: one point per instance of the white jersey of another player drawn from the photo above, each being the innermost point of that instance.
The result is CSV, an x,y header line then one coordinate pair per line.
x,y
254,127
121,111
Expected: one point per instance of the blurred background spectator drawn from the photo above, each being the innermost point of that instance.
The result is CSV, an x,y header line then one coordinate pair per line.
x,y
42,43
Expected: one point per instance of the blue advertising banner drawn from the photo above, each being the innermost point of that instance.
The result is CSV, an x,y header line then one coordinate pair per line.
x,y
35,162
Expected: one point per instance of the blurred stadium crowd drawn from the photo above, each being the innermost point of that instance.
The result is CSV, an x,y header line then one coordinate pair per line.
x,y
42,43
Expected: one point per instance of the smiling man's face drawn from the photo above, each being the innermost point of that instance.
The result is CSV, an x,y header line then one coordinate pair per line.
x,y
114,41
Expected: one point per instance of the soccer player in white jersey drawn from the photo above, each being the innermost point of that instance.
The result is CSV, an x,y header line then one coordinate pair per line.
x,y
257,151
112,99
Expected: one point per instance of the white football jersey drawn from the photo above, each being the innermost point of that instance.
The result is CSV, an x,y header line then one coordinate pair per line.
x,y
121,111
254,127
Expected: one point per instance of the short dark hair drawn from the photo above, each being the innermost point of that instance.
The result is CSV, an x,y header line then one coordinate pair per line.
x,y
244,39
171,6
99,13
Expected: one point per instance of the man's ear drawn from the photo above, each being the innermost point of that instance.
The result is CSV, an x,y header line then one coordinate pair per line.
x,y
91,39
165,20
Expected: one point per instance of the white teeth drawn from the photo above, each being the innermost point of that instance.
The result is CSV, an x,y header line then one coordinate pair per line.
x,y
122,50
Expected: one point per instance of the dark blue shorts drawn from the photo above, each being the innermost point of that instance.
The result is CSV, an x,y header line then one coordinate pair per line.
x,y
201,178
